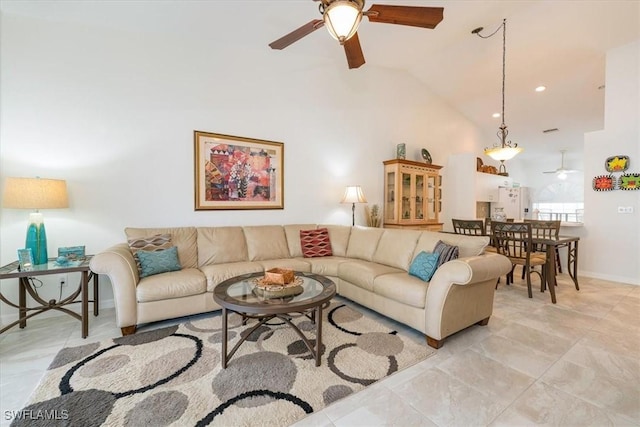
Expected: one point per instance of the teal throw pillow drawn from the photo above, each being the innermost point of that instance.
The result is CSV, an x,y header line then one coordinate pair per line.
x,y
156,262
424,265
446,252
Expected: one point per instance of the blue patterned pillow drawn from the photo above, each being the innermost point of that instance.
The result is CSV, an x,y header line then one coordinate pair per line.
x,y
445,252
424,265
156,262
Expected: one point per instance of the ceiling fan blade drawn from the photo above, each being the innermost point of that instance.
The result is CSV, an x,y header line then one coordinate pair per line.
x,y
415,16
352,48
296,35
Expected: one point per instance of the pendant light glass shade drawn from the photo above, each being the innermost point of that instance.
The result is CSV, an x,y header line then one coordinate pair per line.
x,y
342,18
505,149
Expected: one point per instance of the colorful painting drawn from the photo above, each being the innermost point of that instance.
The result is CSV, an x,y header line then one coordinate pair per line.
x,y
629,181
237,173
617,163
604,183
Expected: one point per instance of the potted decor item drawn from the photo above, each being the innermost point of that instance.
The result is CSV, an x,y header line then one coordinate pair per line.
x,y
373,216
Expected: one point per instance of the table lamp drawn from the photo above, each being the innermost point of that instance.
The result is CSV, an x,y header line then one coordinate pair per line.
x,y
353,194
36,193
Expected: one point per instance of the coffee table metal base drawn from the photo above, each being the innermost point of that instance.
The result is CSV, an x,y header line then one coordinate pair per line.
x,y
314,314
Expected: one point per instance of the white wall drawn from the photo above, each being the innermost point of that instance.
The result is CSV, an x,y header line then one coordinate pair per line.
x,y
112,111
610,245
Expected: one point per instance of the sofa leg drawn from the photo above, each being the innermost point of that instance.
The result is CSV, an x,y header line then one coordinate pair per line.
x,y
434,343
483,322
128,330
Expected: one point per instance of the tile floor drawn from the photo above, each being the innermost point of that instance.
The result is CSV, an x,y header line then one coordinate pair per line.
x,y
574,363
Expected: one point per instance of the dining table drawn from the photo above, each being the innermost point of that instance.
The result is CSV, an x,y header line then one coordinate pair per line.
x,y
551,243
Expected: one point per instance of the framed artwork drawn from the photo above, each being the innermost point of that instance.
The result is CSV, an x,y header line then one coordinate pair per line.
x,y
72,253
233,172
25,258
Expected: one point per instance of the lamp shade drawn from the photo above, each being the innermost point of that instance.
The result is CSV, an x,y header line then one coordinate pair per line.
x,y
353,194
342,18
35,193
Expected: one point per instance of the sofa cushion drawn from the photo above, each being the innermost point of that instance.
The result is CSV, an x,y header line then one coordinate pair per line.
x,y
339,236
362,273
395,247
156,262
157,242
218,273
424,265
467,245
185,238
175,284
315,243
219,245
292,232
403,288
326,266
363,242
445,252
266,242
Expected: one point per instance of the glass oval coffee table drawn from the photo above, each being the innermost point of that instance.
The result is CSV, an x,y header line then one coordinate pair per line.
x,y
240,295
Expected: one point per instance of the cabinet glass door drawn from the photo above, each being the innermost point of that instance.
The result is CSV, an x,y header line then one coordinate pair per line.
x,y
420,196
431,198
390,197
406,196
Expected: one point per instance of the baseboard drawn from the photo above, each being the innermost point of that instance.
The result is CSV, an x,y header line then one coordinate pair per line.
x,y
608,277
5,319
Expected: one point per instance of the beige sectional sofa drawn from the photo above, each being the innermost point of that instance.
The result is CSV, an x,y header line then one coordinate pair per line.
x,y
369,266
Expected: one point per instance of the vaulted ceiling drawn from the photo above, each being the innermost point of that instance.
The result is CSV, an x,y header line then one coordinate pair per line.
x,y
558,44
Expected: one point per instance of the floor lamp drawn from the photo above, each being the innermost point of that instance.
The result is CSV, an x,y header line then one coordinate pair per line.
x,y
36,193
353,194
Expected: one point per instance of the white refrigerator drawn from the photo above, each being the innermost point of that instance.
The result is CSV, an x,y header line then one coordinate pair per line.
x,y
515,202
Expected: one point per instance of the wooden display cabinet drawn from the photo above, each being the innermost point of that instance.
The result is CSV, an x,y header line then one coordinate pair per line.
x,y
412,195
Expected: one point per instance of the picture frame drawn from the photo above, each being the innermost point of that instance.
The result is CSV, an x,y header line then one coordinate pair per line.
x,y
25,259
233,172
72,253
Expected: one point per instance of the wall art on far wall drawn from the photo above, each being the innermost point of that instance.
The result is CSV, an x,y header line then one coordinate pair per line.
x,y
604,183
233,172
616,163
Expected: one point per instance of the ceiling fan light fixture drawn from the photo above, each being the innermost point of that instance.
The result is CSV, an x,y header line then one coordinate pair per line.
x,y
562,175
342,18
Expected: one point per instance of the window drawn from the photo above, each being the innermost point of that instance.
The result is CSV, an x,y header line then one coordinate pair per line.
x,y
566,212
560,200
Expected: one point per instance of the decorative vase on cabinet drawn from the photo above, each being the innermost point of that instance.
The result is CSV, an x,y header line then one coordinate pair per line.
x,y
412,195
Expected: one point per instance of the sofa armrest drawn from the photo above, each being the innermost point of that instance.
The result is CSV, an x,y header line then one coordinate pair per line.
x,y
118,264
448,302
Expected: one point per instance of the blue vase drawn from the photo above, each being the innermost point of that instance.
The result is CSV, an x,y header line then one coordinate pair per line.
x,y
37,241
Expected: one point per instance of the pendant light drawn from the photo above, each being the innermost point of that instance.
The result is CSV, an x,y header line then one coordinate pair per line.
x,y
504,150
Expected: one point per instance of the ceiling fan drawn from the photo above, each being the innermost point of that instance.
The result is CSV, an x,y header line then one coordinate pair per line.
x,y
562,171
342,18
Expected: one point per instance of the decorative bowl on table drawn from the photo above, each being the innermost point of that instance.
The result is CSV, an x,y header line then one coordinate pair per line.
x,y
277,283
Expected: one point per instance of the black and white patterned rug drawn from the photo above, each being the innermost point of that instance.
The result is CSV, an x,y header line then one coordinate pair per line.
x,y
173,375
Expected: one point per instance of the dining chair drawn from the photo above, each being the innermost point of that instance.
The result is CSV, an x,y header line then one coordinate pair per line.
x,y
513,240
546,230
471,227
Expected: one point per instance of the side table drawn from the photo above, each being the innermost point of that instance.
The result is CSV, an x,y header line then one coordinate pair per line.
x,y
12,270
